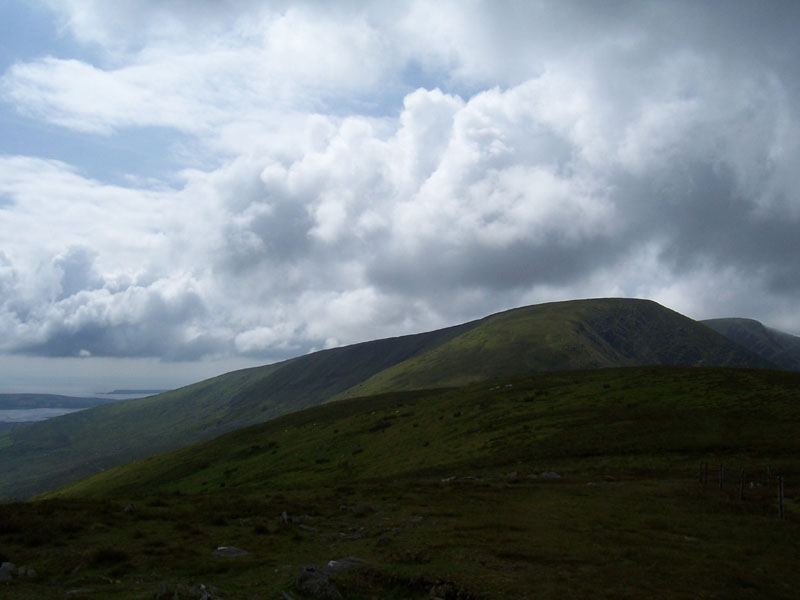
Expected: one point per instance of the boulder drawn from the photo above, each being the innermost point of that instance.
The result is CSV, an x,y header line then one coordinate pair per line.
x,y
314,583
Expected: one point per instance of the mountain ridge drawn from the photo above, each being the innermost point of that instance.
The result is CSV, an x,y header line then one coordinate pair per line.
x,y
579,334
779,347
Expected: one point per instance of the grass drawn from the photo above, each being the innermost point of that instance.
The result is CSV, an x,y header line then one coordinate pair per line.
x,y
42,455
565,335
579,334
419,486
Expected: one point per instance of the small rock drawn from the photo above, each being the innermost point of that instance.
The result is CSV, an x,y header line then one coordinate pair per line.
x,y
512,476
128,508
343,564
550,475
7,571
313,582
448,479
230,551
32,573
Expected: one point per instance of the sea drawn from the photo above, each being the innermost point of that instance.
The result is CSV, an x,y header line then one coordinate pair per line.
x,y
27,415
16,416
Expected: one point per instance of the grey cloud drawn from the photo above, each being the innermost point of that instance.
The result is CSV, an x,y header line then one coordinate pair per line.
x,y
8,277
647,148
277,234
76,265
160,320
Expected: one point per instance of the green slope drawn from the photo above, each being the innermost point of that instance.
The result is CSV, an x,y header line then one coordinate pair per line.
x,y
567,335
42,455
579,334
782,349
433,489
641,418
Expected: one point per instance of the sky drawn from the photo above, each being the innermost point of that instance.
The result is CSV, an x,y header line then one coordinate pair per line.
x,y
194,186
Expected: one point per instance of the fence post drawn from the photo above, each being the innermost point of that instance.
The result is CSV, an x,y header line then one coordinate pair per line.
x,y
741,486
780,496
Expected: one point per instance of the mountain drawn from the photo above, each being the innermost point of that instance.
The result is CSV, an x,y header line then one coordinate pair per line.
x,y
28,401
53,452
546,485
582,334
781,349
578,334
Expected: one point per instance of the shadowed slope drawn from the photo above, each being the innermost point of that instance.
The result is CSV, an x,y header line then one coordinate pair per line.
x,y
780,348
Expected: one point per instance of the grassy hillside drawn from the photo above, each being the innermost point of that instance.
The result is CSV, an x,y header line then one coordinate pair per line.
x,y
782,349
579,334
42,455
582,334
553,485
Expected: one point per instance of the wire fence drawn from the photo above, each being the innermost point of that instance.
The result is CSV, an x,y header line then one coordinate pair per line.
x,y
757,485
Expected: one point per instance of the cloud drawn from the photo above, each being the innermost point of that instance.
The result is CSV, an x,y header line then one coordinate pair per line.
x,y
376,170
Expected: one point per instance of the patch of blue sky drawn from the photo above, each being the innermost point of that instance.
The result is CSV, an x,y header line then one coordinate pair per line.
x,y
388,100
415,75
28,31
144,153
